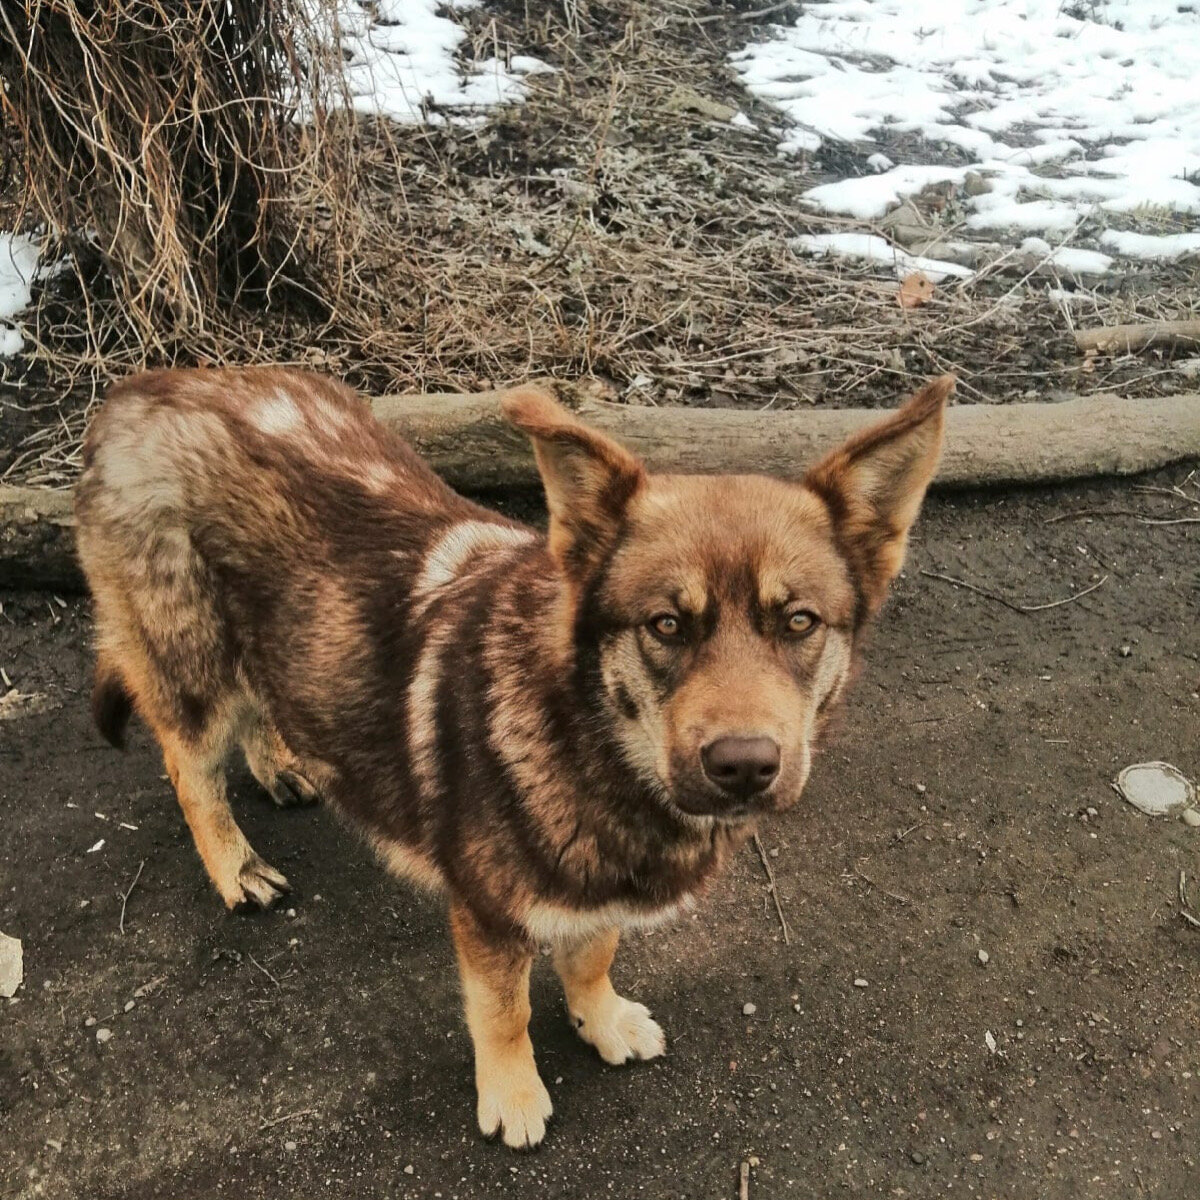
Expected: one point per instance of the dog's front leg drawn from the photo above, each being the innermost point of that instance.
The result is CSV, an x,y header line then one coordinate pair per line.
x,y
620,1029
513,1101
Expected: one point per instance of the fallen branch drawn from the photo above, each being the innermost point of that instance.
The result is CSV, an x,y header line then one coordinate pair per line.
x,y
1125,339
467,441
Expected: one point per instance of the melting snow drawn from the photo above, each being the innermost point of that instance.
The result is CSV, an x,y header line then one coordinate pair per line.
x,y
18,267
1062,116
876,249
403,57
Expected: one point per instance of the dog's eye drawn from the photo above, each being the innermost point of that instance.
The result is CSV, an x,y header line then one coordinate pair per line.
x,y
665,626
802,622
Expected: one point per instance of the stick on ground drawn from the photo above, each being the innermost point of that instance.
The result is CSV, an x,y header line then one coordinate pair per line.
x,y
766,862
128,893
1125,339
1021,608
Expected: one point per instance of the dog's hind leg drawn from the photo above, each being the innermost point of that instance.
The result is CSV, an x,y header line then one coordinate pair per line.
x,y
274,766
196,768
620,1029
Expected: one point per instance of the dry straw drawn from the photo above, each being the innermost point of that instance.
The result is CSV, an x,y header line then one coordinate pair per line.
x,y
156,141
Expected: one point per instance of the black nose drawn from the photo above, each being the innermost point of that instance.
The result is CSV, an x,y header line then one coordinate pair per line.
x,y
741,766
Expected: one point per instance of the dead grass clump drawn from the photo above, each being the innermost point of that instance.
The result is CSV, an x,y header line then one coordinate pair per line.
x,y
158,136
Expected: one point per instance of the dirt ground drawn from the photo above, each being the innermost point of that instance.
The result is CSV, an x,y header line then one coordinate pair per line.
x,y
965,806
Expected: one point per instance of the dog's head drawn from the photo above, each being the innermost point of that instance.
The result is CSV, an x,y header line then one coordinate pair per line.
x,y
715,617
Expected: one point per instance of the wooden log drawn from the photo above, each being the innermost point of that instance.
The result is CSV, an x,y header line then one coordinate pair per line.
x,y
37,539
1125,339
467,441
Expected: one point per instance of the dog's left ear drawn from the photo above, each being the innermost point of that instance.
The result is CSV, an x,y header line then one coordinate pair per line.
x,y
874,485
589,478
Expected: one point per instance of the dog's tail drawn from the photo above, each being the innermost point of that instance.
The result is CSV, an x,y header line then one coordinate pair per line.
x,y
112,705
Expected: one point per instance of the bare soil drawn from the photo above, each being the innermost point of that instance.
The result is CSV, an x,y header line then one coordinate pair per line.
x,y
965,806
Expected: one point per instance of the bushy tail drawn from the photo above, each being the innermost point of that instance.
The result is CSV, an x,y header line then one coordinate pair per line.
x,y
111,704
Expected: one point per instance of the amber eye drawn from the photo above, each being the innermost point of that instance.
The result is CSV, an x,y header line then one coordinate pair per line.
x,y
665,625
801,622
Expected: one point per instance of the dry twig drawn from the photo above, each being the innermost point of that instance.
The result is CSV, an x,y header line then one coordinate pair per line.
x,y
128,893
1021,608
762,854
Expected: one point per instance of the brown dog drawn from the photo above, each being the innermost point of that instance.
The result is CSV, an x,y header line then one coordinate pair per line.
x,y
565,735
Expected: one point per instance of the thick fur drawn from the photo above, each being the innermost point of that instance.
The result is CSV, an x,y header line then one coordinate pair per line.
x,y
507,718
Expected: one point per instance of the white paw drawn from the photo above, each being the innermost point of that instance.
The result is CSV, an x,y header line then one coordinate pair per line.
x,y
517,1107
620,1030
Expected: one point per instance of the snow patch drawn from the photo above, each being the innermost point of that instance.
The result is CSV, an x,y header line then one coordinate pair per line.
x,y
1150,245
875,249
403,62
1103,103
18,270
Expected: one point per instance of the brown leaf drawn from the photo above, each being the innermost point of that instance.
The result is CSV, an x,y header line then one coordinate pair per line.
x,y
917,289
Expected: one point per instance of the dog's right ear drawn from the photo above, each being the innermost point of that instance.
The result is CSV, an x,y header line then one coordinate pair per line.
x,y
588,477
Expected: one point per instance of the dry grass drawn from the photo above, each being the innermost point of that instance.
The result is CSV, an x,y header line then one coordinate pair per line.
x,y
599,230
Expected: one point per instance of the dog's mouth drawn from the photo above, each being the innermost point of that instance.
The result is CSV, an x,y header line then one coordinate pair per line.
x,y
705,803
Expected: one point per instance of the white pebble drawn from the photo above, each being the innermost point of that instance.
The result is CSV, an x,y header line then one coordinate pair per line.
x,y
289,1146
860,982
1191,816
129,1006
748,1010
102,1035
409,1169
984,957
89,1021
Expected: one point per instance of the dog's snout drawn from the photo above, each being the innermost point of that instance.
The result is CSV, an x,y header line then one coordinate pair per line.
x,y
741,766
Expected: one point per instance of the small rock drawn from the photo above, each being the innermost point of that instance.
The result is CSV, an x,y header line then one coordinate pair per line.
x,y
1093,812
860,982
917,1158
753,1160
130,1005
54,1144
409,1169
1126,651
974,184
12,965
921,789
975,1157
289,1146
990,1041
1191,816
984,958
796,1008
748,1010
89,1021
102,1035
